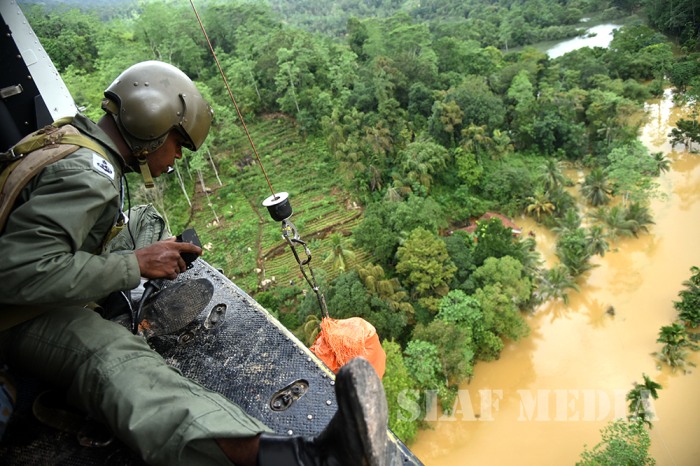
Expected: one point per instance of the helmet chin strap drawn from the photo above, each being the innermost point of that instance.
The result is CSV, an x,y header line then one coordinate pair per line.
x,y
145,171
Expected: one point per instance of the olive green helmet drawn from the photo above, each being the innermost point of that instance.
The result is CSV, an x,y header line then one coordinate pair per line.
x,y
151,98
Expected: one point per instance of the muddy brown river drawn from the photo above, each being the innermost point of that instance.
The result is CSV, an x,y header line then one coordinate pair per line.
x,y
551,393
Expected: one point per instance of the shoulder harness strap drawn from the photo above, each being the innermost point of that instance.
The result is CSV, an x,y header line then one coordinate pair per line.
x,y
34,152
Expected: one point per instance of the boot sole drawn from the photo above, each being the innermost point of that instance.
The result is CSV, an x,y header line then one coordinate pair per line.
x,y
364,401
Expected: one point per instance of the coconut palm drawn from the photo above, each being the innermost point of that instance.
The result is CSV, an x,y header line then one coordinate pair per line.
x,y
551,176
310,329
663,164
540,204
676,343
597,240
555,283
388,290
529,256
638,397
615,218
596,189
689,306
640,215
571,221
340,252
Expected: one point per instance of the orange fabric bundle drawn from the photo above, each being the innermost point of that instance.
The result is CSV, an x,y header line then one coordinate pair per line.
x,y
340,340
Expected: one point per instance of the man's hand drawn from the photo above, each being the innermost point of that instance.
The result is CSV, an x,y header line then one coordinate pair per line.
x,y
163,259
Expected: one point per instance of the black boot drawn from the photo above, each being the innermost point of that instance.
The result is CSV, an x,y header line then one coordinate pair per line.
x,y
356,436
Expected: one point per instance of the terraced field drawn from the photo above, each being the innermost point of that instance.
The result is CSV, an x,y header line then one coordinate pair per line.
x,y
246,243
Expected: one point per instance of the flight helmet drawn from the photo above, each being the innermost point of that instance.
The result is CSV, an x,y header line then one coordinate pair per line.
x,y
151,98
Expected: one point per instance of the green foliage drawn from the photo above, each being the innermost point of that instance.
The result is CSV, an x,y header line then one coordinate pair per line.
x,y
501,289
573,251
386,223
493,239
679,19
677,342
689,305
630,172
398,384
640,408
424,266
422,360
622,442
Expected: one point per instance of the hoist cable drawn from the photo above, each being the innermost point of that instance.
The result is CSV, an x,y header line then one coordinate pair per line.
x,y
230,94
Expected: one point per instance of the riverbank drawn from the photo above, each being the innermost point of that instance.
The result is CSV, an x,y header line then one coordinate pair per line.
x,y
552,392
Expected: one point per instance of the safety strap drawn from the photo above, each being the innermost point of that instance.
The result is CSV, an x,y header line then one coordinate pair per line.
x,y
37,150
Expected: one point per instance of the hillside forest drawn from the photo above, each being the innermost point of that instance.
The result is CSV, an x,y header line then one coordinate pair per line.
x,y
395,126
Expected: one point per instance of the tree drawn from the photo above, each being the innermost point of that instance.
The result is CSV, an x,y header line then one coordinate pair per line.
x,y
555,284
629,170
551,176
388,290
425,267
540,205
687,132
185,50
640,216
676,343
397,382
597,240
422,360
616,220
340,252
461,310
639,403
455,348
421,161
493,239
69,38
689,306
501,289
622,443
595,188
663,164
573,251
387,222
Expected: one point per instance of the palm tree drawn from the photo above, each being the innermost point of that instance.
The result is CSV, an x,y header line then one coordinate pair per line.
x,y
597,240
638,397
551,176
663,164
529,256
540,204
676,343
689,306
310,329
640,216
388,290
615,218
596,189
340,253
570,222
555,284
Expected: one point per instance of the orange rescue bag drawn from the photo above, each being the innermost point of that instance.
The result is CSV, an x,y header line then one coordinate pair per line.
x,y
340,340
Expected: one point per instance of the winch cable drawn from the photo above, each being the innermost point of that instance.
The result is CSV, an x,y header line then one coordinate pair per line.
x,y
230,94
278,203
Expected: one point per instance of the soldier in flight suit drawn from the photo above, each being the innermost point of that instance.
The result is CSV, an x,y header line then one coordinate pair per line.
x,y
56,260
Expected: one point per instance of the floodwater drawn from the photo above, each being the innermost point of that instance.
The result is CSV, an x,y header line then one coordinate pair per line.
x,y
597,36
550,393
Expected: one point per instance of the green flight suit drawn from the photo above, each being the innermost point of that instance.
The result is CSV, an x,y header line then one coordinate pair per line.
x,y
55,262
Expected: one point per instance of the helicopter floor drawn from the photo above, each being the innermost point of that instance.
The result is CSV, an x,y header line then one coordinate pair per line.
x,y
233,346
